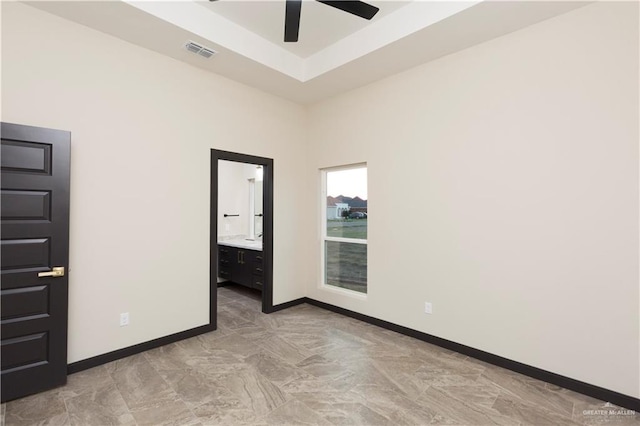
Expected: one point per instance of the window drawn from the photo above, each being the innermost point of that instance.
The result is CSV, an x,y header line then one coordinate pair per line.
x,y
344,228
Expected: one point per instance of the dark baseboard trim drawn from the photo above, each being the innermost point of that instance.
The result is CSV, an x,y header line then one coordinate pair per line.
x,y
289,304
98,360
95,361
603,394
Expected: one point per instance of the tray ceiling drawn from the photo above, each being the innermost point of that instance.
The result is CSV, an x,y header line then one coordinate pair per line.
x,y
336,51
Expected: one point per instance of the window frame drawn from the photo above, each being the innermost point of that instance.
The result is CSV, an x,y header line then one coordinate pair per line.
x,y
324,237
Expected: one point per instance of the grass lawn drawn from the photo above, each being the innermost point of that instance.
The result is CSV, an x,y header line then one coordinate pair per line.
x,y
347,228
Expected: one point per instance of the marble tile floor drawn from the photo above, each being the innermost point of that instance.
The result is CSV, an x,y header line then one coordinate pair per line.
x,y
304,366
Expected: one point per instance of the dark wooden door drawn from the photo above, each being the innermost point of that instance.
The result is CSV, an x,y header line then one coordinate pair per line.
x,y
34,241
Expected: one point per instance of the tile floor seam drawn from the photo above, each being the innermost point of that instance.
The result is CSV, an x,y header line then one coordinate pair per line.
x,y
118,388
66,408
230,391
275,385
543,409
279,358
193,415
120,391
306,405
494,400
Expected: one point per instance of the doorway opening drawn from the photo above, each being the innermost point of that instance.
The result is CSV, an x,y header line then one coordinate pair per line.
x,y
259,221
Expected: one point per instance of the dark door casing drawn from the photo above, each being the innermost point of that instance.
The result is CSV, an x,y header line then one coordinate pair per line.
x,y
265,283
34,240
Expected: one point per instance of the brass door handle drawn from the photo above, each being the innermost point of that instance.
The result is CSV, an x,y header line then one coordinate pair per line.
x,y
57,271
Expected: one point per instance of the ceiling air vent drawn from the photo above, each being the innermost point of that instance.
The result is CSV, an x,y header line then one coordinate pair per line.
x,y
193,47
207,53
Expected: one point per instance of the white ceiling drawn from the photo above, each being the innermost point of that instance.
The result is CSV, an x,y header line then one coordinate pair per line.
x,y
336,51
320,25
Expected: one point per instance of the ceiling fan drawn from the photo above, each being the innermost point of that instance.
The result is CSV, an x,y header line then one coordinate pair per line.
x,y
293,7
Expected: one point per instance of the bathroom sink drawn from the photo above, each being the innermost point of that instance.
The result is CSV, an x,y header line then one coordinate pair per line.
x,y
245,243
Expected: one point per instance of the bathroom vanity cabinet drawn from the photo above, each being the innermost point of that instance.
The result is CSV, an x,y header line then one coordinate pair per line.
x,y
241,266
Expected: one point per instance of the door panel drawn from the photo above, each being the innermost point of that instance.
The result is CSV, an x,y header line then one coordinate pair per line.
x,y
24,302
24,351
25,254
25,205
26,157
35,239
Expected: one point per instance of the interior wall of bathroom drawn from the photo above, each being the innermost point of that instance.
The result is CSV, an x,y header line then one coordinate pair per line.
x,y
503,189
233,197
142,127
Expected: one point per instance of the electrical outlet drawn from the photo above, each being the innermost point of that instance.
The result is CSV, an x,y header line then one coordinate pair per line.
x,y
124,319
428,309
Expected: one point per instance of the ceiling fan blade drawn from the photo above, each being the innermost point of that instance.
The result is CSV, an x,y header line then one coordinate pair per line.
x,y
292,20
358,8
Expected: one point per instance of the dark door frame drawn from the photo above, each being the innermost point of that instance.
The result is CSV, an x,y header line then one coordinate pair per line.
x,y
267,227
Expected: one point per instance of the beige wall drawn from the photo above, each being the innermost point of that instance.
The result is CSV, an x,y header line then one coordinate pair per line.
x,y
142,127
515,164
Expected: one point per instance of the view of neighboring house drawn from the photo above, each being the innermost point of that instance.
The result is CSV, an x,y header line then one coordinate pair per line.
x,y
336,210
336,206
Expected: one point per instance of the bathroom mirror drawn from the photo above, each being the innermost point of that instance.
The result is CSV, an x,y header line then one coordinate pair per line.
x,y
255,209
